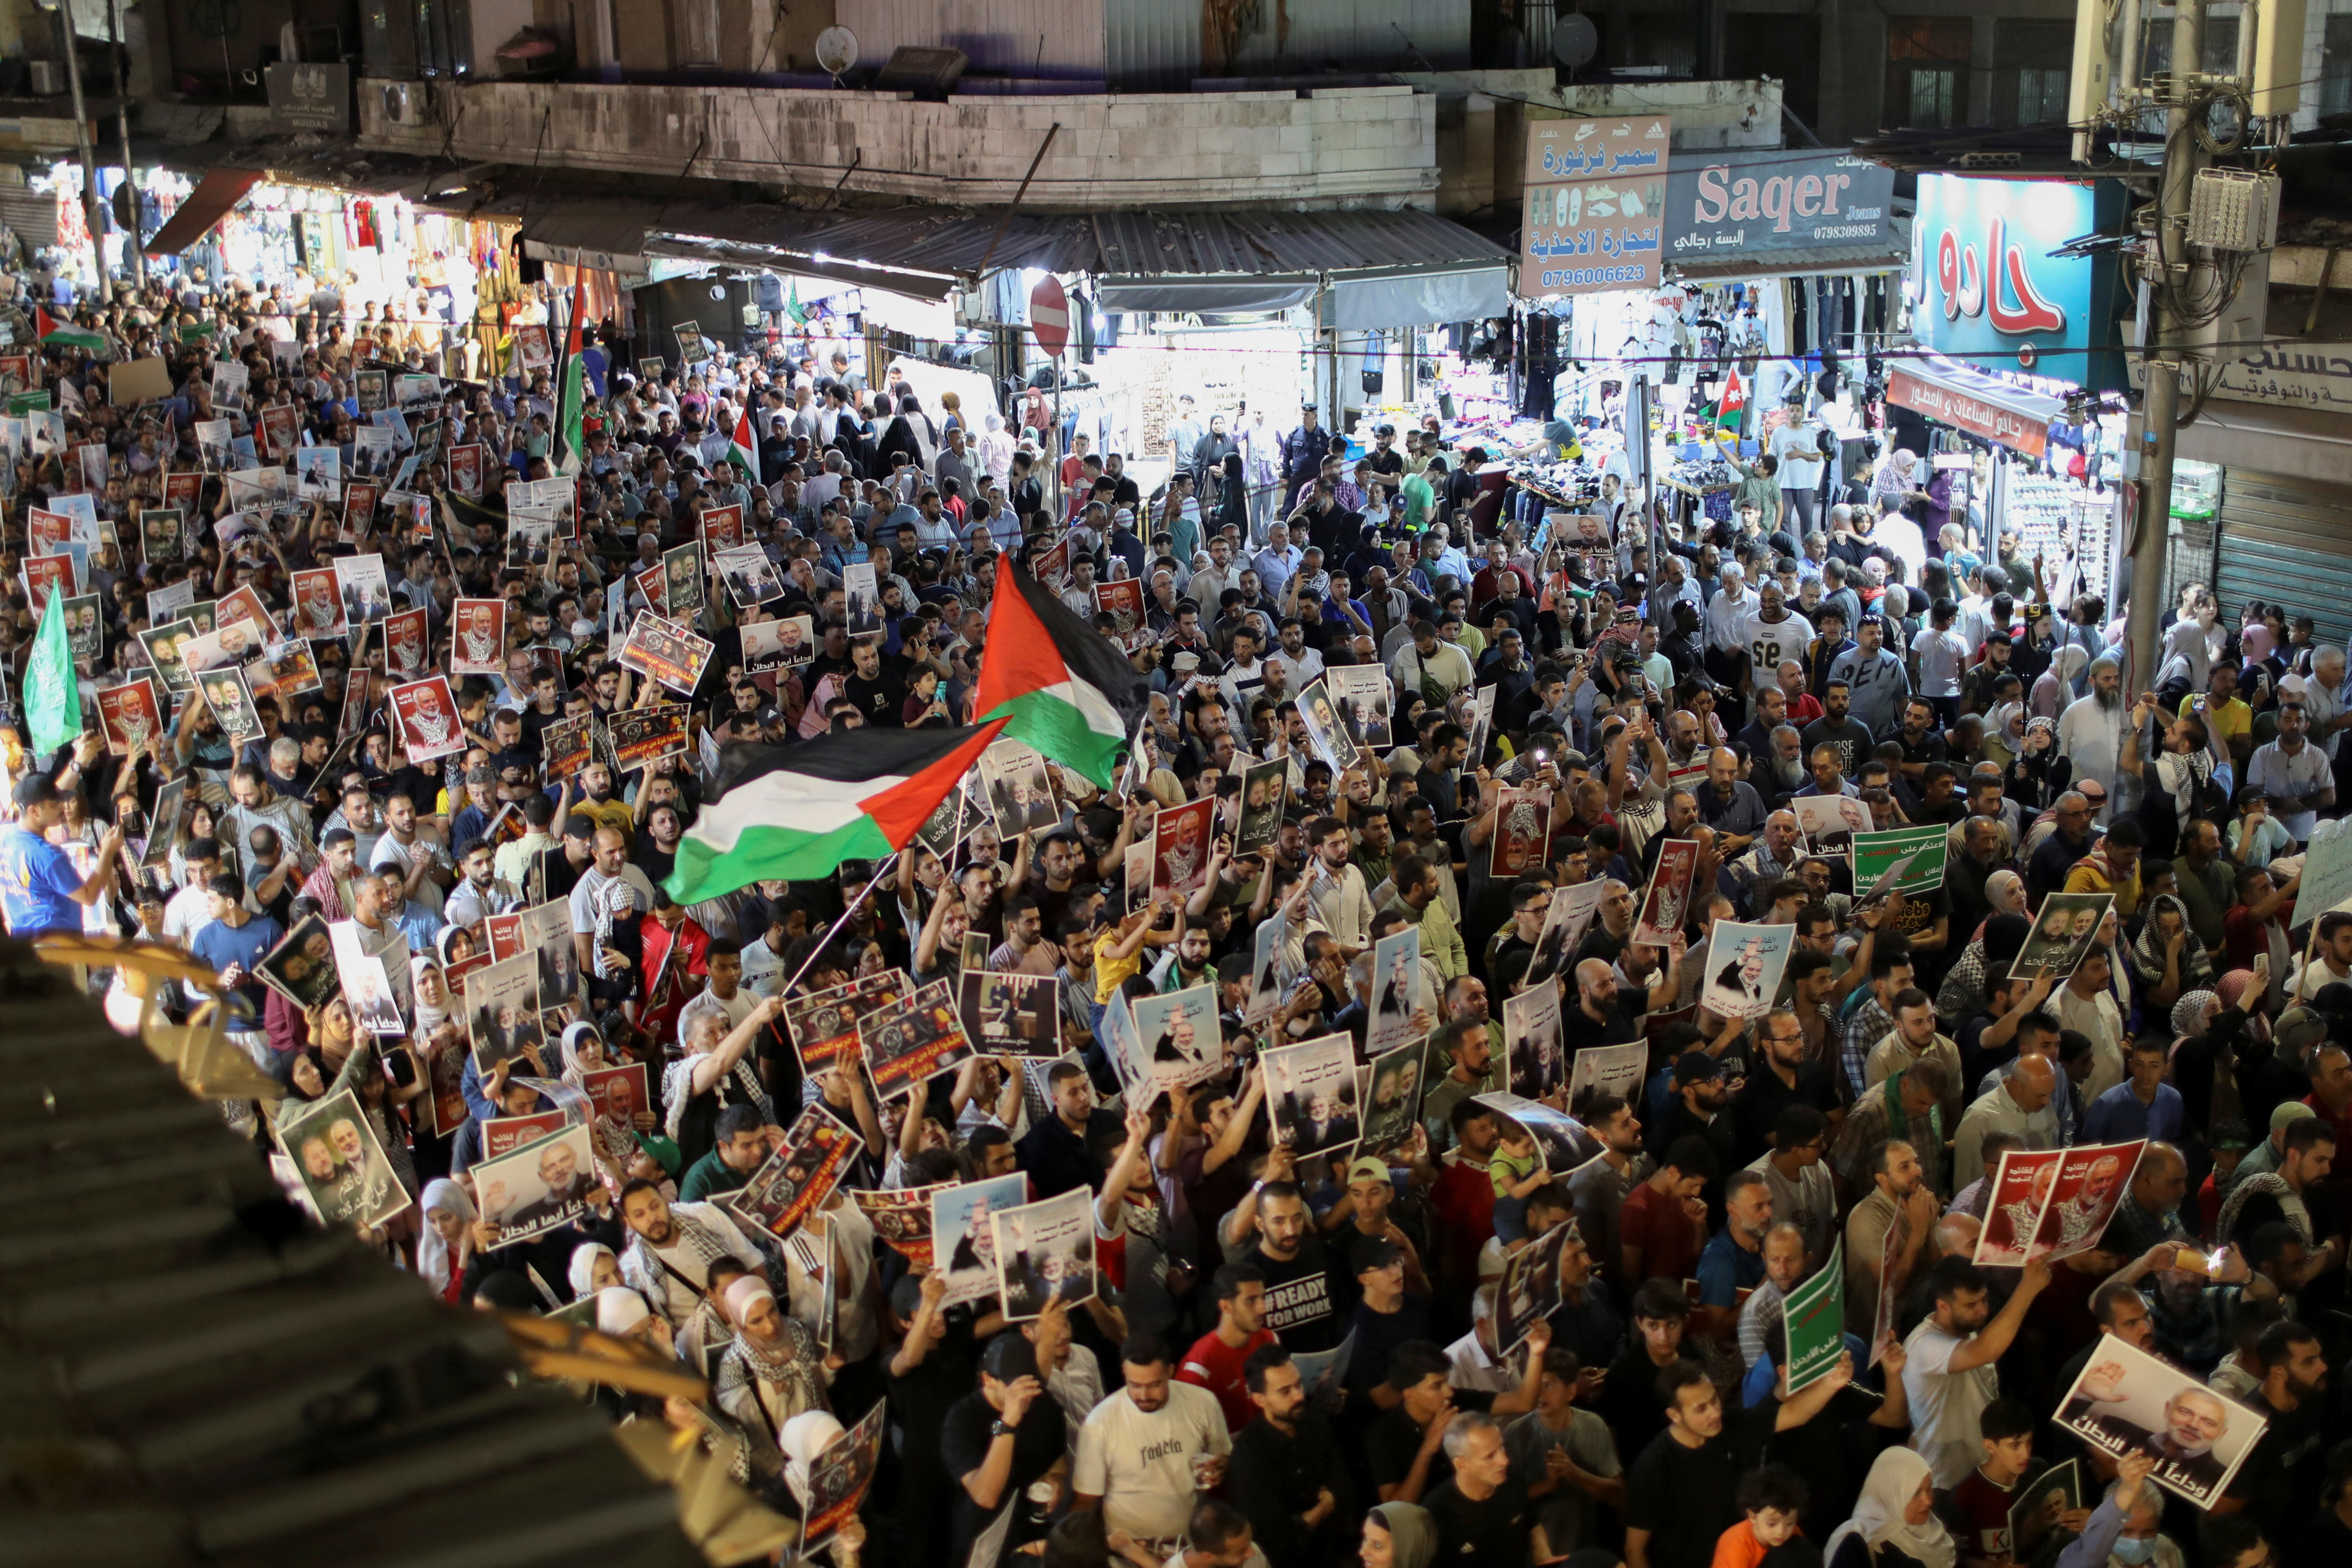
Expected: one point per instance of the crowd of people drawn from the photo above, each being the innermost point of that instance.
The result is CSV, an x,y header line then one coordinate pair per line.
x,y
1652,678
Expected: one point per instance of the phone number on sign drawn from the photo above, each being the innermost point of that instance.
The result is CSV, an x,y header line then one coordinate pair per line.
x,y
1570,277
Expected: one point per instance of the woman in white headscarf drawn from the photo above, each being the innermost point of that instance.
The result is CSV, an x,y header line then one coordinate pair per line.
x,y
617,1144
447,1245
772,1371
1893,1524
593,1268
995,447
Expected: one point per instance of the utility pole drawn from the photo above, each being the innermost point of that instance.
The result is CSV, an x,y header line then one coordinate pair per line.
x,y
2160,409
90,201
122,129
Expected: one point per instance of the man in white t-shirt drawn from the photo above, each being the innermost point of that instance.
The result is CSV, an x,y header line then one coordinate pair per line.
x,y
1136,1452
612,865
1796,446
1948,1376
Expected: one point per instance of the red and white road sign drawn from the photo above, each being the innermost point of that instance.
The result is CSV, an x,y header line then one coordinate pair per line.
x,y
1049,316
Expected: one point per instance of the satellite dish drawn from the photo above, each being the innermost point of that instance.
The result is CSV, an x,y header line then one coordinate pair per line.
x,y
836,49
1575,41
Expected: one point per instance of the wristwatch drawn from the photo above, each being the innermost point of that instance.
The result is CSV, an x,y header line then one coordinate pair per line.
x,y
999,1429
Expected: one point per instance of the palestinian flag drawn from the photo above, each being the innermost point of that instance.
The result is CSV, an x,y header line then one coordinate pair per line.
x,y
571,394
744,450
1066,687
795,812
56,334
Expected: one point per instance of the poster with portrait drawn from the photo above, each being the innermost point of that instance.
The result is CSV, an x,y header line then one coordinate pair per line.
x,y
230,379
1325,732
2021,1184
502,1011
1045,1253
1178,1041
1265,790
301,968
1396,984
241,606
915,1041
2066,928
85,632
566,746
45,576
665,651
160,540
1311,1097
945,828
1522,838
900,1216
2091,1184
839,1480
477,636
539,1187
1565,923
1608,1070
1744,965
1563,1141
2127,1401
861,599
368,987
532,348
223,647
130,715
340,1161
1020,788
465,471
619,1093
284,669
644,736
366,594
750,577
799,1176
318,604
1532,1042
407,648
2036,1529
505,1134
693,348
1830,821
1266,973
1054,567
163,644
1181,842
682,591
722,529
1391,1109
428,714
788,644
226,694
163,823
1529,1291
1011,1015
963,1242
277,431
1360,693
1666,901
546,932
1122,601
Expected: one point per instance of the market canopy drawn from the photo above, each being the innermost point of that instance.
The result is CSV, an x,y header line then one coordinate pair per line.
x,y
1968,399
214,197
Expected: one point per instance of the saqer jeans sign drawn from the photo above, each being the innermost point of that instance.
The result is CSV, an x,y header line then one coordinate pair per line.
x,y
1769,202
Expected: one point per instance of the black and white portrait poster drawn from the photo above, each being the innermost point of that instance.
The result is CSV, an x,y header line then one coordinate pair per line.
x,y
1179,1040
1530,1287
2126,1401
1392,1103
1046,1250
539,1187
502,1011
1012,1014
1311,1096
963,1242
1532,1042
1396,974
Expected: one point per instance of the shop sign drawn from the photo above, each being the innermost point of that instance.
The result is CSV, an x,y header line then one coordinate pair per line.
x,y
309,96
2284,375
1987,288
1963,411
1751,201
1594,211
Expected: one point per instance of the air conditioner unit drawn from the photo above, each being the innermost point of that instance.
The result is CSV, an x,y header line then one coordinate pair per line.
x,y
2234,209
407,103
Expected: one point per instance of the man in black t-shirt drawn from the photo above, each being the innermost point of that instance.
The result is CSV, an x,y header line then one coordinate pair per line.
x,y
1301,1302
1403,1449
1480,1511
997,1442
1678,1495
877,691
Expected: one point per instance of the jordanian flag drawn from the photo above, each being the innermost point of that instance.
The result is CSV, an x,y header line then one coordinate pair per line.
x,y
743,449
1726,411
1066,688
795,812
57,334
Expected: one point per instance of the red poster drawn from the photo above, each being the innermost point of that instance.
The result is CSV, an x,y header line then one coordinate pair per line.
x,y
129,714
427,713
1665,903
477,636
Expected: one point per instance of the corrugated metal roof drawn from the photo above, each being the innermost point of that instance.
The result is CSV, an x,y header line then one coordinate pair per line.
x,y
1832,259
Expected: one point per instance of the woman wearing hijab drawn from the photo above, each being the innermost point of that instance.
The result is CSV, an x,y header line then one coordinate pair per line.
x,y
2055,687
444,1253
1399,1535
594,1267
1895,1524
772,1371
1967,985
2168,961
623,1145
2039,774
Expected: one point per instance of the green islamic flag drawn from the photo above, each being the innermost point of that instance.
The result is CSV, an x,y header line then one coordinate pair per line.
x,y
1814,1315
570,409
52,693
1916,855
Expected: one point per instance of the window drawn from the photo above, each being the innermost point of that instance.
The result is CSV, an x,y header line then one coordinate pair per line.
x,y
2336,64
1928,71
2033,64
2041,96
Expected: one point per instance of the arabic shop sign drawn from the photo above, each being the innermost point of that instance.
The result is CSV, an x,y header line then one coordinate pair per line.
x,y
1758,203
309,96
1595,205
1962,409
2293,375
1987,288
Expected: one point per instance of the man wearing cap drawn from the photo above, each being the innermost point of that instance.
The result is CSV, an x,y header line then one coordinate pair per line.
x,y
41,892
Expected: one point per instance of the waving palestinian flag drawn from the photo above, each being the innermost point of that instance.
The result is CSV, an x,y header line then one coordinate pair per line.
x,y
56,334
795,812
1066,687
744,448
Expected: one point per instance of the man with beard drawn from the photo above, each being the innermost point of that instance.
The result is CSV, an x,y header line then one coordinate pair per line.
x,y
598,804
567,1184
1773,632
1874,675
1838,729
2195,1419
2281,1473
671,1248
1949,1372
2091,729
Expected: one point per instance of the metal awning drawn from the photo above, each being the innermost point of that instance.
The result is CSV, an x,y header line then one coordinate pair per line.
x,y
32,214
1968,399
216,196
2300,443
1829,260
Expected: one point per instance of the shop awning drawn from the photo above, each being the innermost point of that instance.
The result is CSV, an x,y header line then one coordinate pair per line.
x,y
1834,261
1369,301
32,214
216,196
2299,443
1970,400
1209,295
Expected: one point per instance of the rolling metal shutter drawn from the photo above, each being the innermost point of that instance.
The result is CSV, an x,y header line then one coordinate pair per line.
x,y
2287,541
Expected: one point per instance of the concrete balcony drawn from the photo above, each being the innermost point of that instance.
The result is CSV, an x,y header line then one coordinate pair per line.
x,y
1354,146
